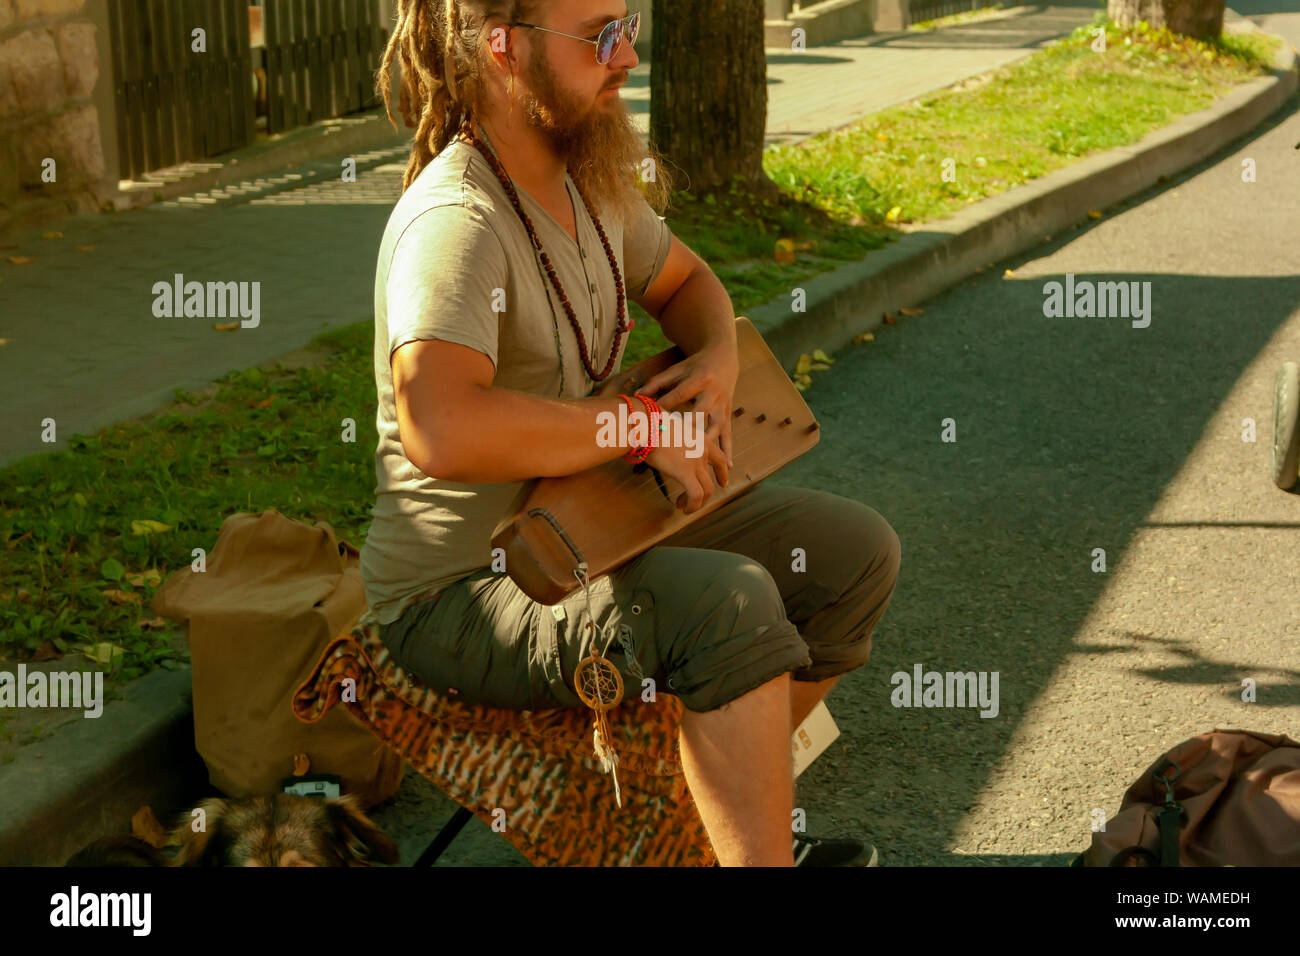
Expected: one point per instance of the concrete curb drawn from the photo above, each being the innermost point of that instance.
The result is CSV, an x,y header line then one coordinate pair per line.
x,y
94,774
89,778
934,257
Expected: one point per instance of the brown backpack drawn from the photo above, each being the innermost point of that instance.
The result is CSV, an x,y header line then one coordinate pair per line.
x,y
1223,798
275,591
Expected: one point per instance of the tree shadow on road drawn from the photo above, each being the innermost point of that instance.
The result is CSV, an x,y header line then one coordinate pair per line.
x,y
1070,433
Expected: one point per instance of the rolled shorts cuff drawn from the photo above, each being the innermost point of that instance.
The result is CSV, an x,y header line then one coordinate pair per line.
x,y
767,652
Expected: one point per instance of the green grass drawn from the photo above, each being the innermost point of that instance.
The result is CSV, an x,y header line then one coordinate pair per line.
x,y
737,233
1013,125
70,521
964,17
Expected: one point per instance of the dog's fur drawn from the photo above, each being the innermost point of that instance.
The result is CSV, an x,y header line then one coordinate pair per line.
x,y
277,830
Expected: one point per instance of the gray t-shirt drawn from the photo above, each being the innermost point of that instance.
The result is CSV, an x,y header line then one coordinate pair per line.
x,y
456,264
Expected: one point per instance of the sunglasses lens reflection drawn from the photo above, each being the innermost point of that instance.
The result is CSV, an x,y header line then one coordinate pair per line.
x,y
609,38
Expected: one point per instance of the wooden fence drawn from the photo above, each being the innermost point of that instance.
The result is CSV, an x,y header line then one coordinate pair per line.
x,y
173,103
321,57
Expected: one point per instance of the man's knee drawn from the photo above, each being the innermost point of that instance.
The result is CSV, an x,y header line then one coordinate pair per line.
x,y
849,602
889,550
735,636
860,526
747,590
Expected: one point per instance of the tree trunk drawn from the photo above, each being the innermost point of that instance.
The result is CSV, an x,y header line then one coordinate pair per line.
x,y
708,85
1201,19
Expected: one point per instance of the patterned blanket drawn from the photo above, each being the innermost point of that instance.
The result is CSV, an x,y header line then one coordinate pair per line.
x,y
537,766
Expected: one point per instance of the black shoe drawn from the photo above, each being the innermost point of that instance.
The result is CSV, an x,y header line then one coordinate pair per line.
x,y
813,851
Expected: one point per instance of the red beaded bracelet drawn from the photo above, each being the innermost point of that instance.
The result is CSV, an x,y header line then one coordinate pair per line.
x,y
637,455
631,454
655,413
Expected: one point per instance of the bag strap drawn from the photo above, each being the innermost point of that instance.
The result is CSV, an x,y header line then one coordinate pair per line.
x,y
1169,821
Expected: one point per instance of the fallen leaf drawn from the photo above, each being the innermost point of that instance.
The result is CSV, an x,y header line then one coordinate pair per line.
x,y
46,651
820,356
151,576
264,403
121,597
882,136
785,251
151,623
1094,214
1009,274
4,341
893,214
301,764
225,326
819,367
863,337
905,310
145,826
51,235
800,386
805,378
148,526
805,245
801,366
21,260
101,653
85,248
889,319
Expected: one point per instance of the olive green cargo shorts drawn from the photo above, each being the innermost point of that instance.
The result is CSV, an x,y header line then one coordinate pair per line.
x,y
779,579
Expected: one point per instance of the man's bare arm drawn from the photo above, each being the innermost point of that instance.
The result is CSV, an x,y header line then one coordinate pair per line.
x,y
456,426
690,303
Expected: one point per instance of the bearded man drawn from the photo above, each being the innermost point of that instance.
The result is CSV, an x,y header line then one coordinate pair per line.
x,y
500,307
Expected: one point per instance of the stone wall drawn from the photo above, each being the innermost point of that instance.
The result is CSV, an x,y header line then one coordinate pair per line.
x,y
52,90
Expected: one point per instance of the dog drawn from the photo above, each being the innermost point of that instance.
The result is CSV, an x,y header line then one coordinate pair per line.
x,y
276,830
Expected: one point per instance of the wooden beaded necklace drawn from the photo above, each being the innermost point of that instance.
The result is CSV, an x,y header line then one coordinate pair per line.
x,y
625,323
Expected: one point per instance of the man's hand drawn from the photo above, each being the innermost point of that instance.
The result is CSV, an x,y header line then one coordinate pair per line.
x,y
709,377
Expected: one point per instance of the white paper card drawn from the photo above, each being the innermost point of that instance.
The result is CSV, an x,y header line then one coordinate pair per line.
x,y
814,735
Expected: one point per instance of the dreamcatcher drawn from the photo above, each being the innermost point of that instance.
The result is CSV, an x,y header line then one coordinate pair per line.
x,y
599,685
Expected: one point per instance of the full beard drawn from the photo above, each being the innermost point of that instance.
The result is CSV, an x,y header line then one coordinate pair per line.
x,y
602,149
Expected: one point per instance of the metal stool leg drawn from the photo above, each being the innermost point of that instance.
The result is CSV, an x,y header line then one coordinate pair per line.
x,y
444,837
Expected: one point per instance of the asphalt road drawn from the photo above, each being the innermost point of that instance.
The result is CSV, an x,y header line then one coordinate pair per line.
x,y
1074,434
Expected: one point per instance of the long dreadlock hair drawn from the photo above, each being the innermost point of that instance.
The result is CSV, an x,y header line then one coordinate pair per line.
x,y
443,56
439,44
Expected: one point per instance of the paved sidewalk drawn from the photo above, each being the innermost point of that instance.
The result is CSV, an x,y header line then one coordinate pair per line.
x,y
825,87
86,350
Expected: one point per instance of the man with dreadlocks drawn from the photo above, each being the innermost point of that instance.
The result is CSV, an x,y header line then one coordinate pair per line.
x,y
526,222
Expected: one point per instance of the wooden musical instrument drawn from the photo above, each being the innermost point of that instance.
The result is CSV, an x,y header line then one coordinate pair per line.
x,y
609,514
